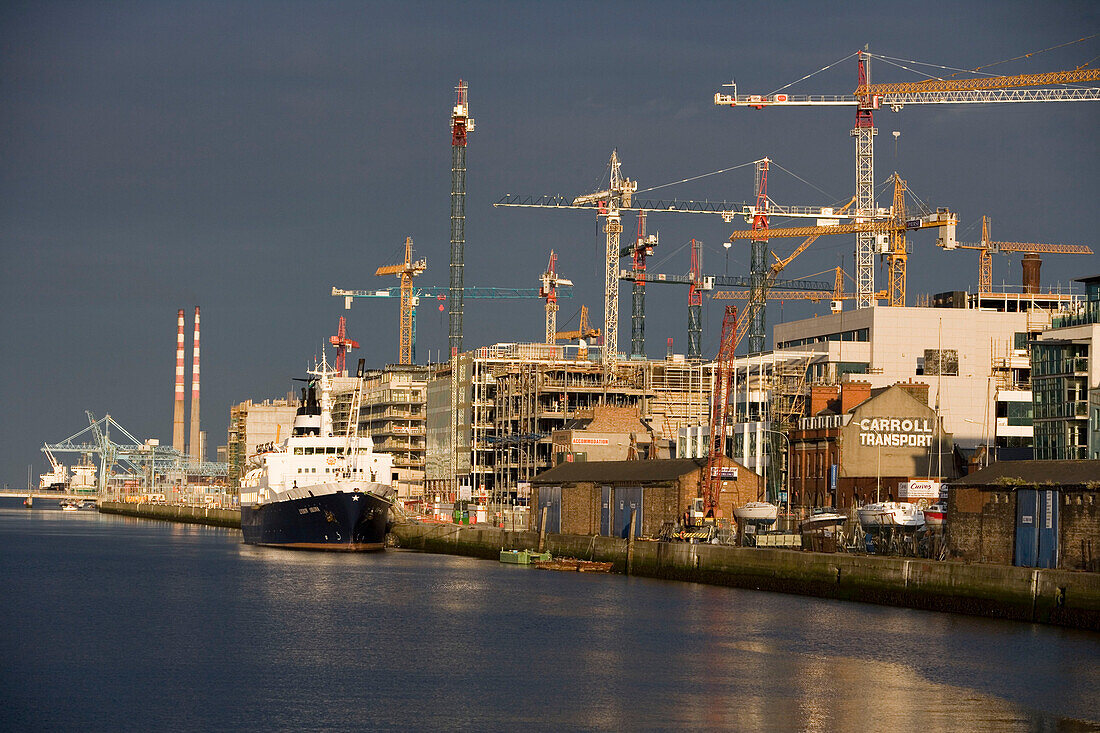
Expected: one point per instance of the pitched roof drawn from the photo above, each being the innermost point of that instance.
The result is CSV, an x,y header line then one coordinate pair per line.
x,y
1056,473
641,471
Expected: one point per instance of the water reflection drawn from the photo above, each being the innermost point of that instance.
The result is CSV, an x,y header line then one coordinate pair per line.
x,y
275,639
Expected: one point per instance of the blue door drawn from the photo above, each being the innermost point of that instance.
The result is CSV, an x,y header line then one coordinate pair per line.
x,y
627,500
1027,533
1047,528
1036,528
550,498
605,512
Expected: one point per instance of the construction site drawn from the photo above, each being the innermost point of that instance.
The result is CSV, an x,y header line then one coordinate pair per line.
x,y
491,413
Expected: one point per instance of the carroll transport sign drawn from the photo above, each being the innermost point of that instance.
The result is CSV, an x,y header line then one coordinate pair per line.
x,y
895,431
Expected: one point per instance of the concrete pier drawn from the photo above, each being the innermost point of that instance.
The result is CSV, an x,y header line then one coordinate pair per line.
x,y
175,513
1060,597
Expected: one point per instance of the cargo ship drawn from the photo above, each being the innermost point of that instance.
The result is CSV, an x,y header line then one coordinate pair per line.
x,y
318,490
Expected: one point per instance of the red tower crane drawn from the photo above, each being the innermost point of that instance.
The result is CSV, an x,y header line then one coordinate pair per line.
x,y
342,344
719,414
549,290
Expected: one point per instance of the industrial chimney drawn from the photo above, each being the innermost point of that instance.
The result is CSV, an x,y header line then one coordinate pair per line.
x,y
195,443
1031,264
177,419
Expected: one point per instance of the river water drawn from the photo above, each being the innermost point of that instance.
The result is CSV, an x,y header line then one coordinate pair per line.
x,y
112,623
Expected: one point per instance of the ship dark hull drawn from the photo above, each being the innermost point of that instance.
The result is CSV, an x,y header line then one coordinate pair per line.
x,y
342,522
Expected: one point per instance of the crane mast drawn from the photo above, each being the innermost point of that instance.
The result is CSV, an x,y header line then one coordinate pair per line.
x,y
695,303
757,268
642,248
460,125
618,194
898,247
406,271
864,133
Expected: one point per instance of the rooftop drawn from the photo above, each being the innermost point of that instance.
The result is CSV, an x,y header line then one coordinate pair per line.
x,y
1003,474
642,471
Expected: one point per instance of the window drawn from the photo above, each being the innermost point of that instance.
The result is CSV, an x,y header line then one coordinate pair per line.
x,y
941,361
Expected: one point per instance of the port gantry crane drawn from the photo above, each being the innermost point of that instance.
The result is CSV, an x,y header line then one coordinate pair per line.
x,y
986,248
343,344
869,97
406,270
619,197
549,290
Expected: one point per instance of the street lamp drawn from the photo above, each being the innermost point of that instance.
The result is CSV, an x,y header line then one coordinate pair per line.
x,y
789,456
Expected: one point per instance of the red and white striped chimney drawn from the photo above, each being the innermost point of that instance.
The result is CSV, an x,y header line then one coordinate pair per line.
x,y
177,419
195,446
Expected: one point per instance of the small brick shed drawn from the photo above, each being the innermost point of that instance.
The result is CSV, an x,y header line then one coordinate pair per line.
x,y
1028,513
595,498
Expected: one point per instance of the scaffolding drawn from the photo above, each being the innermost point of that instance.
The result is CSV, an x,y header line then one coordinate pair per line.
x,y
514,396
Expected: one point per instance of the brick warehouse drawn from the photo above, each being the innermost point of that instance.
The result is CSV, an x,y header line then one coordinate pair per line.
x,y
1028,513
860,444
595,498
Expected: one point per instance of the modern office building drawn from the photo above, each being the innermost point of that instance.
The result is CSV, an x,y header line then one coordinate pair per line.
x,y
1065,376
971,351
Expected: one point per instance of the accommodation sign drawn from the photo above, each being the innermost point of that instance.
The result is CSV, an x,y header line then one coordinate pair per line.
x,y
894,431
590,441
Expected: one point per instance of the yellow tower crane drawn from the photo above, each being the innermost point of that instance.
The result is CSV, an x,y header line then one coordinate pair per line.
x,y
869,98
986,249
406,270
893,241
583,332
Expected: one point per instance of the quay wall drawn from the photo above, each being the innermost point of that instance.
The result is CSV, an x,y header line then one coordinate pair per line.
x,y
1060,597
175,513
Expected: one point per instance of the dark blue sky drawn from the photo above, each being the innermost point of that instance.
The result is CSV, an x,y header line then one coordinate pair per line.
x,y
246,157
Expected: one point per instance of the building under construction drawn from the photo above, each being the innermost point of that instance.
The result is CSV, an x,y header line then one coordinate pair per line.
x,y
512,397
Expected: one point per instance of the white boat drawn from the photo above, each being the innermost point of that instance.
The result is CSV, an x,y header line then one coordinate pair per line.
x,y
757,512
893,514
83,479
823,519
68,506
319,490
935,515
58,477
